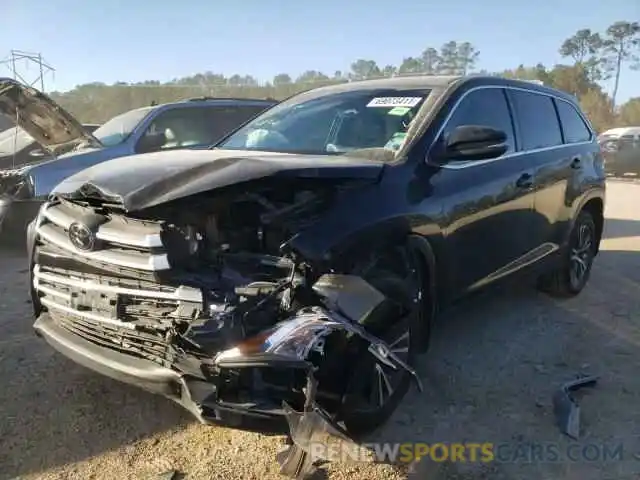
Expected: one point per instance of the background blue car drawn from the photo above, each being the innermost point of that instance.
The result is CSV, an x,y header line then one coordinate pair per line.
x,y
69,147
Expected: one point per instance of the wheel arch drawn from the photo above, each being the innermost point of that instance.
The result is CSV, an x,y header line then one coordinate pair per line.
x,y
594,204
427,259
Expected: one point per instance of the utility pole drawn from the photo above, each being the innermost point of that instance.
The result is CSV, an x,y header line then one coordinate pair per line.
x,y
19,60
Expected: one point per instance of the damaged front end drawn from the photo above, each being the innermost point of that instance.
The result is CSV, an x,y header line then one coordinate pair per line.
x,y
197,300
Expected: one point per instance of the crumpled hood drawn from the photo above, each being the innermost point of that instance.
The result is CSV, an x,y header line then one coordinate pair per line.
x,y
42,118
142,181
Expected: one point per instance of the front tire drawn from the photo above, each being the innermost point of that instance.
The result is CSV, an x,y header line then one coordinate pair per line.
x,y
374,390
573,273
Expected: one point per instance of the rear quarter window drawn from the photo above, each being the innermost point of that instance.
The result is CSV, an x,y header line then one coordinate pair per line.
x,y
574,128
537,120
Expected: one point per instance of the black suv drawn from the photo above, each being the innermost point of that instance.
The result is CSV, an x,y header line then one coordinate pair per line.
x,y
294,270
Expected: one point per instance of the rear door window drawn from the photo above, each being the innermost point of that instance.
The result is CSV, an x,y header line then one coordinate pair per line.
x,y
574,128
537,120
198,126
181,127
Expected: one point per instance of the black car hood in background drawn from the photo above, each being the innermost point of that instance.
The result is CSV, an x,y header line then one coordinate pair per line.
x,y
142,181
42,118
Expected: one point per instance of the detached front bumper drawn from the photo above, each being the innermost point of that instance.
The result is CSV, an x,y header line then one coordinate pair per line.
x,y
197,396
314,435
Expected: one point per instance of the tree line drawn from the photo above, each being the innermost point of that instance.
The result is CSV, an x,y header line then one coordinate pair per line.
x,y
593,60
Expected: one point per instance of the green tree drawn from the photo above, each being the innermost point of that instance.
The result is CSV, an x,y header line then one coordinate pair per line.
x,y
467,57
581,46
430,61
362,69
410,65
622,44
282,79
97,102
597,106
389,71
573,79
538,72
629,114
585,48
449,60
311,76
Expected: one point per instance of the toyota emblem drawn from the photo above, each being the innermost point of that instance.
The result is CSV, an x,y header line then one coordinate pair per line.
x,y
81,236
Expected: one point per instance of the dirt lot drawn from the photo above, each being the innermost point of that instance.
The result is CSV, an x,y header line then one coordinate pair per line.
x,y
489,377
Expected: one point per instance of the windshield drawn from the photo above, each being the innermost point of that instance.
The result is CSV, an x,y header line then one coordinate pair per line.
x,y
116,130
332,124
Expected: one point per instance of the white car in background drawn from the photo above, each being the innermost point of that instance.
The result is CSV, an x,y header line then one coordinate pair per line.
x,y
621,149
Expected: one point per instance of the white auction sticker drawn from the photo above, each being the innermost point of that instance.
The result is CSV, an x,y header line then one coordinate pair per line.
x,y
394,102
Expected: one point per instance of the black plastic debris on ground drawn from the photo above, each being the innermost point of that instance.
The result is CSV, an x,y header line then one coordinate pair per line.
x,y
566,409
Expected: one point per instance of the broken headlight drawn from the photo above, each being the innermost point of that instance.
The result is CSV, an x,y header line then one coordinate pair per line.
x,y
295,338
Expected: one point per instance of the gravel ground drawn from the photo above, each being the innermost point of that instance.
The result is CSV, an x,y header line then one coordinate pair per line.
x,y
494,364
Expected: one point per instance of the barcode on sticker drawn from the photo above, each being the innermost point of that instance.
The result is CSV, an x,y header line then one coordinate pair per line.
x,y
394,102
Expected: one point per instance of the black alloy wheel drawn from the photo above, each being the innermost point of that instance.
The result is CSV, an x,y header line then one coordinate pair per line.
x,y
376,388
574,270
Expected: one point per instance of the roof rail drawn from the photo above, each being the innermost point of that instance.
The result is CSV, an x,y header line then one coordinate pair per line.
x,y
244,99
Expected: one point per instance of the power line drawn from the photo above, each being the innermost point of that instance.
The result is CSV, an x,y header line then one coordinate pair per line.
x,y
20,58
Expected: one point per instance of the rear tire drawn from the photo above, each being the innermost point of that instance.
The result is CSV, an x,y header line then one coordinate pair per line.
x,y
574,270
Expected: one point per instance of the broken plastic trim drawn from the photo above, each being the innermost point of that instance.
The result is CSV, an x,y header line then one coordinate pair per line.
x,y
315,437
565,407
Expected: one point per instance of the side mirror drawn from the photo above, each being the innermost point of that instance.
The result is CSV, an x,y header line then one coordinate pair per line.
x,y
474,142
151,142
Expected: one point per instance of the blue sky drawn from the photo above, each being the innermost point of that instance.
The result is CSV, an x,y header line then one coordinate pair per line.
x,y
119,40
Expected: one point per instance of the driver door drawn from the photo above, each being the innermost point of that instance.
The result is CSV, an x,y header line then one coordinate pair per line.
x,y
488,204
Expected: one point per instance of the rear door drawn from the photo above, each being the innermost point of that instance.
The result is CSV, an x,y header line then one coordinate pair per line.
x,y
557,150
488,203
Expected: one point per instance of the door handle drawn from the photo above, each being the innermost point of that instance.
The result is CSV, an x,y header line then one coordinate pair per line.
x,y
525,181
576,163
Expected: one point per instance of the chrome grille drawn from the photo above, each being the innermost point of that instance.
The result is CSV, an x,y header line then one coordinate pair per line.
x,y
110,295
122,241
149,345
129,315
115,300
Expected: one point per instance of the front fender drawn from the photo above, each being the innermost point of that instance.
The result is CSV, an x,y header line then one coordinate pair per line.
x,y
368,217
